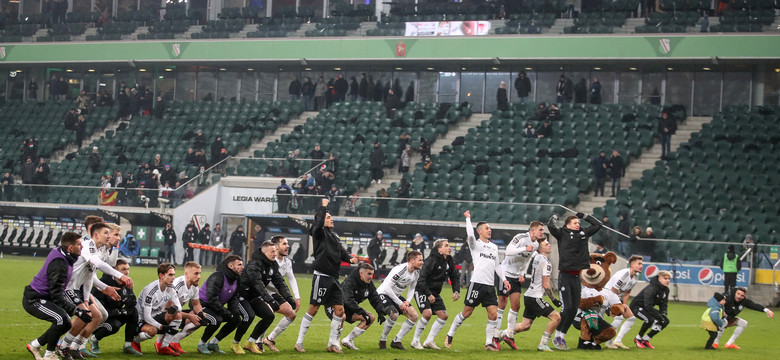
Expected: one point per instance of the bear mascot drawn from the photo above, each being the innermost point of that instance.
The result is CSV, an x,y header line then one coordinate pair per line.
x,y
595,301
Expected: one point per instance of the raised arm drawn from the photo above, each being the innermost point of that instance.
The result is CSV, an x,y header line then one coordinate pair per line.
x,y
595,225
472,241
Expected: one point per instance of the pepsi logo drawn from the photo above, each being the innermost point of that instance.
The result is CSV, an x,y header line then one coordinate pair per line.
x,y
650,271
706,276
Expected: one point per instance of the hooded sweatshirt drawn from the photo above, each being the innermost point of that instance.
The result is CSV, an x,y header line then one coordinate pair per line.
x,y
258,273
712,318
220,289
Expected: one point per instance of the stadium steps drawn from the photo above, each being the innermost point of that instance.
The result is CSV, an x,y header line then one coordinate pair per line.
x,y
87,32
365,27
59,156
277,135
630,26
646,161
392,175
134,36
188,34
558,26
247,29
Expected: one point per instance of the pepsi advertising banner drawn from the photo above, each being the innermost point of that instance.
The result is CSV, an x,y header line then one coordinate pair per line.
x,y
693,274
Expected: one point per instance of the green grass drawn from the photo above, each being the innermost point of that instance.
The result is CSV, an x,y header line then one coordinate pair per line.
x,y
682,339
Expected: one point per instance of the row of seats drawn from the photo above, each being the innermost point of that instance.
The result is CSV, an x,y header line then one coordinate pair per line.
x,y
33,237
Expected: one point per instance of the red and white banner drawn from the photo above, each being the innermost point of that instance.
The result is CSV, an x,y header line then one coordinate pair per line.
x,y
447,28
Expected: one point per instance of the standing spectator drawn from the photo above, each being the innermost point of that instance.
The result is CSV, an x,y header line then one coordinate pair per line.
x,y
370,88
83,101
546,131
404,192
81,130
409,93
259,237
377,158
397,89
8,187
307,91
159,108
292,162
617,170
363,87
354,89
295,89
124,105
53,88
190,232
28,176
523,86
383,204
731,265
94,160
392,102
238,241
581,92
600,165
568,90
418,243
218,238
340,88
501,97
169,238
595,91
204,238
666,128
270,170
30,150
320,94
216,149
406,159
168,175
333,196
378,90
560,89
424,148
62,85
374,248
332,163
71,119
32,88
199,140
316,155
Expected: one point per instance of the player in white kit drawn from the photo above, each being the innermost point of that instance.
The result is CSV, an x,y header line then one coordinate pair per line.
x,y
621,284
401,277
159,310
186,287
481,290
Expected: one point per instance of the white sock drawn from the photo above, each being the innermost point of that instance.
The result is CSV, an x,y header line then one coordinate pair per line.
x,y
305,323
545,339
67,340
720,333
617,321
280,327
405,328
214,341
389,323
335,327
491,331
421,324
559,334
188,329
741,325
251,340
77,342
435,329
456,324
500,318
127,343
35,343
49,353
511,321
166,340
160,338
646,338
354,333
625,329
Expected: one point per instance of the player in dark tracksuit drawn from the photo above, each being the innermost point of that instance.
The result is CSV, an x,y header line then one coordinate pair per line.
x,y
359,287
438,267
328,254
220,289
656,293
122,312
45,297
573,257
735,302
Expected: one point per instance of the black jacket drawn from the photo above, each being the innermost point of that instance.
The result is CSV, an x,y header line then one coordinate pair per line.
x,y
170,236
667,124
257,274
654,294
374,248
355,291
523,86
189,235
328,252
376,157
204,236
617,168
214,285
435,272
57,275
295,87
573,252
237,241
733,308
114,308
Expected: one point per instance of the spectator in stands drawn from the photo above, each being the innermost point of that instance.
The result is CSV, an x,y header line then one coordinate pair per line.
x,y
332,163
83,101
166,191
238,241
529,131
168,175
704,22
81,130
44,166
324,181
135,102
546,131
560,89
270,170
340,88
200,158
606,238
581,92
292,162
418,243
374,248
655,97
124,105
8,187
649,233
71,119
63,88
41,176
190,159
105,99
58,11
405,160
320,94
120,184
397,89
28,175
617,170
363,87
32,89
501,97
428,164
53,88
523,86
568,90
294,89
379,90
169,238
199,140
595,91
383,204
283,196
376,158
159,108
29,150
553,113
404,191
600,165
354,89
533,28
307,91
259,238
316,155
392,102
409,93
370,89
542,111
424,148
334,201
157,163
666,128
94,159
216,148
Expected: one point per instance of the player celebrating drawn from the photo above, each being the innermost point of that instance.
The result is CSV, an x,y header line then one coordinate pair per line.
x,y
734,304
535,306
358,287
621,284
220,289
517,257
120,313
328,255
481,290
186,287
656,293
401,277
288,309
159,310
45,297
437,268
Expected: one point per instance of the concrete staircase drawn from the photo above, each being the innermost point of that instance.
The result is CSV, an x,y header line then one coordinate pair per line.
x,y
277,135
59,156
83,37
647,160
247,29
134,36
460,128
558,26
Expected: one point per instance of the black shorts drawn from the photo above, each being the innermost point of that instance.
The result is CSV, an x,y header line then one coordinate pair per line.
x,y
480,294
516,286
325,290
347,314
159,317
536,307
387,301
424,304
603,325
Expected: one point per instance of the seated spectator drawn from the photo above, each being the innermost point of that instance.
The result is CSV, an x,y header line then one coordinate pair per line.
x,y
190,159
649,233
168,175
428,165
554,113
533,28
199,141
270,170
105,100
200,158
94,160
425,148
545,131
542,112
529,131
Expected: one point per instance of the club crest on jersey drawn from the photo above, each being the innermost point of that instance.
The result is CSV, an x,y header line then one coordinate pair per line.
x,y
582,233
365,293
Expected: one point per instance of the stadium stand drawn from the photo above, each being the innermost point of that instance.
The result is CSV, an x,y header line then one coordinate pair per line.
x,y
713,188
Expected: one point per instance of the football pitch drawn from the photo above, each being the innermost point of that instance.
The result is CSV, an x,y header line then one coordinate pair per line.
x,y
683,339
